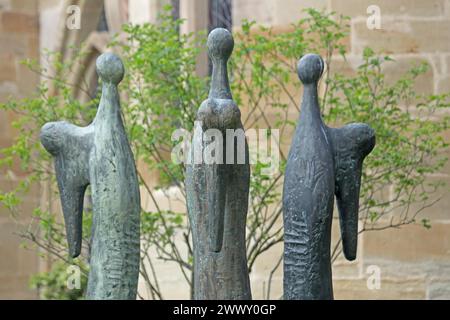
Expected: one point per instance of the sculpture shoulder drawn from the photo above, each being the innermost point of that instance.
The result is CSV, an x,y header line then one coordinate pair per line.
x,y
354,139
56,135
351,144
219,114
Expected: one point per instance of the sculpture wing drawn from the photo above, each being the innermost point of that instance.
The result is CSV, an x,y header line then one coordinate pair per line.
x,y
70,147
216,183
351,144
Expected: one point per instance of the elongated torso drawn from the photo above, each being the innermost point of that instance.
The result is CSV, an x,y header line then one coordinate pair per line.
x,y
114,262
308,207
217,191
220,275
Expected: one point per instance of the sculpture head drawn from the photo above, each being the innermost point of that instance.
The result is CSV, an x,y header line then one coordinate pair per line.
x,y
310,68
110,68
220,44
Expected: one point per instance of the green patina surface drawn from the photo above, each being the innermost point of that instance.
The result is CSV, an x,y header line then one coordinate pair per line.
x,y
217,194
100,155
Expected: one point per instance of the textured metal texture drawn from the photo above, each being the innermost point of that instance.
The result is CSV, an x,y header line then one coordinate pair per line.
x,y
100,155
323,162
217,193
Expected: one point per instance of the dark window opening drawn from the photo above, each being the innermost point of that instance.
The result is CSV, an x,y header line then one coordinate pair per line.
x,y
175,9
220,16
102,22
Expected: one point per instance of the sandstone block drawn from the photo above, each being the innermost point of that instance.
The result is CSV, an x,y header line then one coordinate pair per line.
x,y
390,289
416,8
438,289
402,36
412,243
14,22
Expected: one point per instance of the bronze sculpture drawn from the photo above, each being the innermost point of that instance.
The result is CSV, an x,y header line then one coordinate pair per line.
x,y
217,193
100,155
323,162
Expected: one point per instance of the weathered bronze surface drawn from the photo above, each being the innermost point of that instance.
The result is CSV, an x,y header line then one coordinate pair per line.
x,y
323,162
217,193
100,155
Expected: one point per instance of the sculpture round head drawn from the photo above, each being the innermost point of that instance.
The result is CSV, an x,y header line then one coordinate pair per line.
x,y
310,68
110,68
220,44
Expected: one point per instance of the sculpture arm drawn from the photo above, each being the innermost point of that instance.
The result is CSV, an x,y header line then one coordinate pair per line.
x,y
70,147
351,144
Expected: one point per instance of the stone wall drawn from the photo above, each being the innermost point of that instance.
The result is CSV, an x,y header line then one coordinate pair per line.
x,y
19,39
414,262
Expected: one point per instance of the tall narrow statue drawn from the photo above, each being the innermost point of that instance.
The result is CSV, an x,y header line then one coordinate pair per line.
x,y
323,162
217,186
100,155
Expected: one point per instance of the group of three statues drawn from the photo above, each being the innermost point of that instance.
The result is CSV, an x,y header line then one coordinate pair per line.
x,y
323,162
